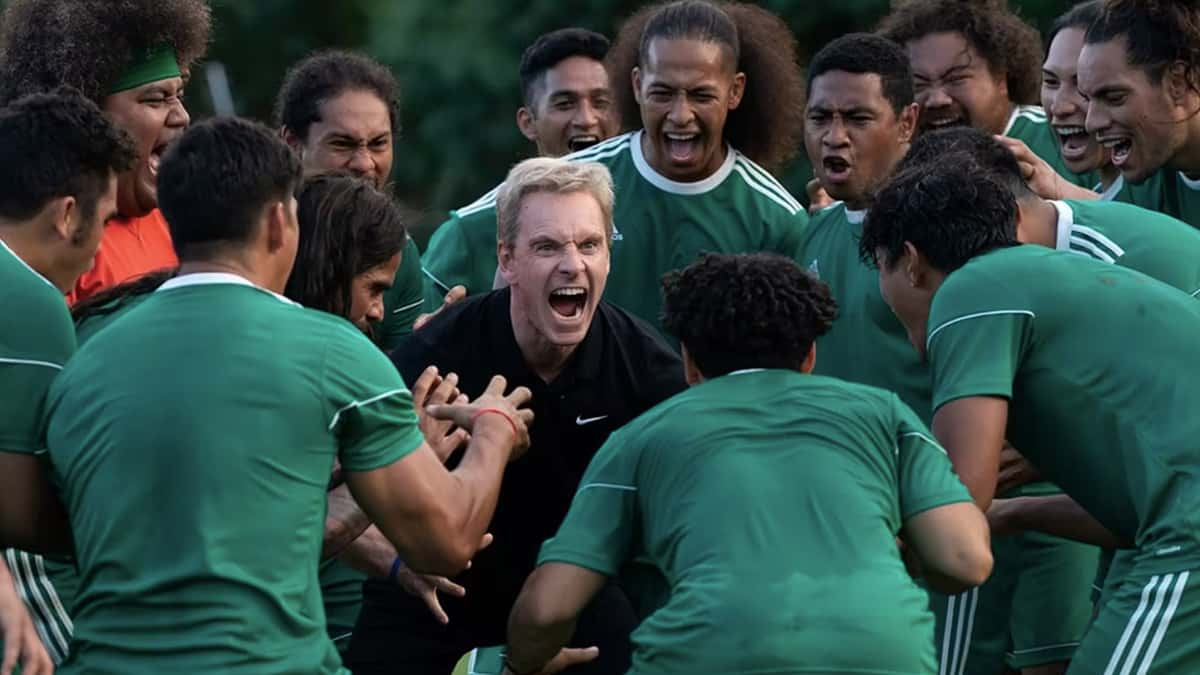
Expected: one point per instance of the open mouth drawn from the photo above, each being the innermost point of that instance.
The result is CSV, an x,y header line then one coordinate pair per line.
x,y
683,147
1073,140
944,122
1121,147
837,169
577,143
568,302
155,157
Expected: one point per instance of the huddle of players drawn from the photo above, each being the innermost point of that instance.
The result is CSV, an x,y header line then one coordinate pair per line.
x,y
691,180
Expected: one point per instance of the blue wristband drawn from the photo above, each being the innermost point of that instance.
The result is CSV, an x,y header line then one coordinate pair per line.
x,y
395,568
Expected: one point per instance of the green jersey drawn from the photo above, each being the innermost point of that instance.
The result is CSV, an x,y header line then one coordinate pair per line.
x,y
1087,353
1028,124
1152,243
1168,192
193,456
36,339
403,301
659,225
867,343
835,467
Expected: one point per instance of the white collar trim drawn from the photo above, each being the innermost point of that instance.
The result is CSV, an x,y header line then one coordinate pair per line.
x,y
1111,193
1189,183
1066,219
675,187
210,278
26,265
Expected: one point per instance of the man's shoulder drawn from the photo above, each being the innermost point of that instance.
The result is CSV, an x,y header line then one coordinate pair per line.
x,y
775,200
611,152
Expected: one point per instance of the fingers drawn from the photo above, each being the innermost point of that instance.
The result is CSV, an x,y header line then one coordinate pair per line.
x,y
568,657
427,381
457,414
447,389
446,586
497,386
435,607
454,295
12,649
486,541
519,396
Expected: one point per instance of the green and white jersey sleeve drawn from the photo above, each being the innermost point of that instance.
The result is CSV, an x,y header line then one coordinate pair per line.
x,y
927,478
404,301
36,339
599,530
1028,123
462,252
373,415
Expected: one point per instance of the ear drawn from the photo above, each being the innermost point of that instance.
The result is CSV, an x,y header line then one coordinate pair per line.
x,y
636,82
691,372
810,359
506,268
276,224
914,265
908,122
737,90
292,140
1176,83
64,214
525,124
1002,83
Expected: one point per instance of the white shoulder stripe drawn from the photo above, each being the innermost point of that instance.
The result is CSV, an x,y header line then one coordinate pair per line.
x,y
609,486
1098,237
976,315
441,284
487,198
1086,248
358,404
477,207
768,181
606,144
31,362
924,438
1196,292
761,190
597,156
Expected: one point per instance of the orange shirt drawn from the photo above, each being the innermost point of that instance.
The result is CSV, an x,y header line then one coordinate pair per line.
x,y
129,248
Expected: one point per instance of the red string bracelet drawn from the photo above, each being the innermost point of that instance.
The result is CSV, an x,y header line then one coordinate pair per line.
x,y
483,411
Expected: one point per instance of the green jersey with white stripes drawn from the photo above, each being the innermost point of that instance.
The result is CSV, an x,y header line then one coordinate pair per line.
x,y
1168,192
194,457
1097,363
403,301
36,339
1152,243
867,343
1028,123
834,467
659,225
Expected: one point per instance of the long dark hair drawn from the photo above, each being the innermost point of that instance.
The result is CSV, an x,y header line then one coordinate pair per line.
x,y
347,226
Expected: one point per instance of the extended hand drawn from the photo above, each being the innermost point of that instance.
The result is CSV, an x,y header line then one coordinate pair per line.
x,y
454,295
1015,470
21,642
467,415
432,389
818,198
426,586
565,658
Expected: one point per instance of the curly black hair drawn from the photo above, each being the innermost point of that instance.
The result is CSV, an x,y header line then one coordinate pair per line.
x,y
1007,43
88,44
1157,34
324,75
347,227
552,48
756,310
1080,17
865,53
56,145
951,211
768,126
217,178
978,146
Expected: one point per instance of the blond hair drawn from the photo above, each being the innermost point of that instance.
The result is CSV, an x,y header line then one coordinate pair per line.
x,y
553,175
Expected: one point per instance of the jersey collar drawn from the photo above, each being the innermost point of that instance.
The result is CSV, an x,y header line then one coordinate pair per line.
x,y
1066,219
211,278
675,187
1188,183
1111,193
35,272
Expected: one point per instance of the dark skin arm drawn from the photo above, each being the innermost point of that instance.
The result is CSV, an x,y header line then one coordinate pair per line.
x,y
972,430
543,619
32,517
1058,515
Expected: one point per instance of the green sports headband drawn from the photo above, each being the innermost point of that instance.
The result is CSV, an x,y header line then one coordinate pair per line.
x,y
154,64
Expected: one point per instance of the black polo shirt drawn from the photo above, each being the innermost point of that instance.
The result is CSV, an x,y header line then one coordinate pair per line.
x,y
622,368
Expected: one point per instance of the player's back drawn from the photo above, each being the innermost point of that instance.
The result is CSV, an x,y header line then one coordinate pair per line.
x,y
193,441
771,501
1103,385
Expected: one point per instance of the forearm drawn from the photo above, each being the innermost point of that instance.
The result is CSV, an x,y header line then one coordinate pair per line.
x,y
532,643
1065,189
372,554
478,477
345,522
1061,516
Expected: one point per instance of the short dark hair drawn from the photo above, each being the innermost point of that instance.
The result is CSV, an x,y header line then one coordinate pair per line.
x,y
868,54
1081,17
214,182
57,145
88,44
950,210
347,226
768,126
1157,34
757,310
1007,43
325,75
553,48
979,146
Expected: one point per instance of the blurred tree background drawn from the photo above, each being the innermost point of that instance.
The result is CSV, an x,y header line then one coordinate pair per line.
x,y
456,61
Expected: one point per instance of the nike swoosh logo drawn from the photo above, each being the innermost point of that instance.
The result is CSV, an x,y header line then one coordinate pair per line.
x,y
588,420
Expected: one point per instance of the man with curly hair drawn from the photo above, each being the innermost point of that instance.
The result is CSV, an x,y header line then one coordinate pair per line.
x,y
718,95
60,158
836,468
979,64
132,57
